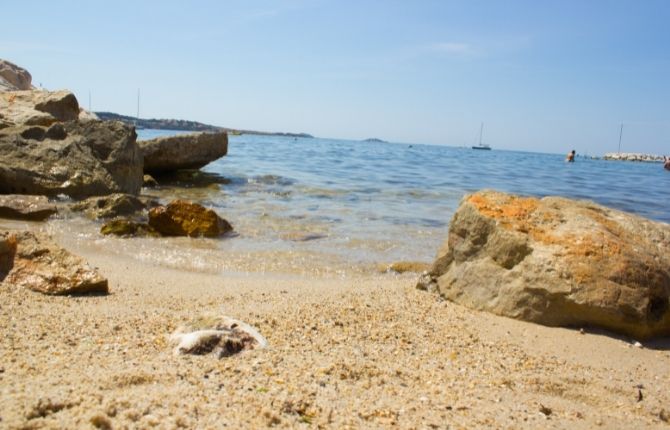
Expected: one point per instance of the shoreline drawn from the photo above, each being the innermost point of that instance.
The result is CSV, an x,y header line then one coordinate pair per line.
x,y
356,352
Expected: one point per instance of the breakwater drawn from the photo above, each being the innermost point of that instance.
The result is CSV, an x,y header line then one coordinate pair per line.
x,y
633,156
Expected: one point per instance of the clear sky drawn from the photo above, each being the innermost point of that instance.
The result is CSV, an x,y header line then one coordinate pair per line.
x,y
542,75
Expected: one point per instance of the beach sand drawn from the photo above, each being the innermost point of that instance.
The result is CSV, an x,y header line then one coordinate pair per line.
x,y
345,352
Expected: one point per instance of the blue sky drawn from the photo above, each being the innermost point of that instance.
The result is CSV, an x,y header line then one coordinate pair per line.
x,y
544,76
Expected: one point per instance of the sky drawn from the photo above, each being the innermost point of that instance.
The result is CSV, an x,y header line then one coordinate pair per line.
x,y
541,75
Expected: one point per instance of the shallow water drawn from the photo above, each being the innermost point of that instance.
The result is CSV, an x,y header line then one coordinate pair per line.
x,y
333,206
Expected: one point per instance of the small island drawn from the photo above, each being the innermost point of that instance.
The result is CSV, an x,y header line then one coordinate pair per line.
x,y
375,140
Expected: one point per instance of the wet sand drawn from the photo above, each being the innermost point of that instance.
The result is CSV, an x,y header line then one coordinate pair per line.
x,y
359,351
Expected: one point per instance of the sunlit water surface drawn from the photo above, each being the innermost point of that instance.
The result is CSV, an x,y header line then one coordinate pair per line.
x,y
324,206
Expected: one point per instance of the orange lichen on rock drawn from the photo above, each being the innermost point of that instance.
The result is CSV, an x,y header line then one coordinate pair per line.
x,y
515,213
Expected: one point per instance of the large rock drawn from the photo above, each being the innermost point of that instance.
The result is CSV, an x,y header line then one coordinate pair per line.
x,y
186,151
13,77
557,262
78,159
41,265
32,208
182,218
37,107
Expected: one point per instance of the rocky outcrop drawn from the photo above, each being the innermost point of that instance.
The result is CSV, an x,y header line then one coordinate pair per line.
x,y
13,77
182,218
127,228
34,261
37,107
78,159
186,151
31,208
557,262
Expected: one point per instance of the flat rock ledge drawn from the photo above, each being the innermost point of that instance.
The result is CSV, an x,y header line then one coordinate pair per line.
x,y
34,261
185,151
556,262
25,207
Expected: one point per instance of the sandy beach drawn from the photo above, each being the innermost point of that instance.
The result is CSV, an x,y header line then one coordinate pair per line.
x,y
345,352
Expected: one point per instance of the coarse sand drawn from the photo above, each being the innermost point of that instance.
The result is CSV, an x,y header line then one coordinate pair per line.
x,y
344,352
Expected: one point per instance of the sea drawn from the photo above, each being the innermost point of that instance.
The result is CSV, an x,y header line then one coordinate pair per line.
x,y
337,207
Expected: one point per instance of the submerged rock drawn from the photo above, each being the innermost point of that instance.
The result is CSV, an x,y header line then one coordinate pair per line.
x,y
110,206
79,160
405,266
31,208
557,262
185,151
220,336
182,218
41,265
127,228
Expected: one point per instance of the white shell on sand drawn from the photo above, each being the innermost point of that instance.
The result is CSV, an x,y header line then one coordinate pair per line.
x,y
223,336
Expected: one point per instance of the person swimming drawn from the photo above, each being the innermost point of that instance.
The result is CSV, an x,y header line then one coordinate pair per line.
x,y
571,156
666,162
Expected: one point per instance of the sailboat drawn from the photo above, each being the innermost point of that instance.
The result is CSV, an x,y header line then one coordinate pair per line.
x,y
481,145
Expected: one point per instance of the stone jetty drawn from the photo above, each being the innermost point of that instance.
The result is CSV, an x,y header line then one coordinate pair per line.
x,y
633,156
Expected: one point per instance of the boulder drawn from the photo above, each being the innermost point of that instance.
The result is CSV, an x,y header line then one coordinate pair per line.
x,y
182,218
38,107
31,208
79,159
557,262
41,265
185,151
110,206
13,77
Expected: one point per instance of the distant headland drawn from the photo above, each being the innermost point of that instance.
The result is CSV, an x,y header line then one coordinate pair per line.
x,y
184,125
374,139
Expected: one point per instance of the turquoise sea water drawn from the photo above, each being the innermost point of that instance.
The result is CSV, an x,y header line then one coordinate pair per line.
x,y
363,203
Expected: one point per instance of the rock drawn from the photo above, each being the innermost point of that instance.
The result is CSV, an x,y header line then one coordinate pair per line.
x,y
7,253
31,208
221,336
85,115
186,151
557,262
41,265
182,218
110,206
94,158
149,181
13,77
37,107
127,228
405,266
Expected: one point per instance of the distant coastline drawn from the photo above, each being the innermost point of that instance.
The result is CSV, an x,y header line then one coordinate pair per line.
x,y
184,125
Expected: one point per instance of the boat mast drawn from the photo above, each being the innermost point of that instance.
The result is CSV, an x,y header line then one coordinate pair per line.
x,y
620,134
481,130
